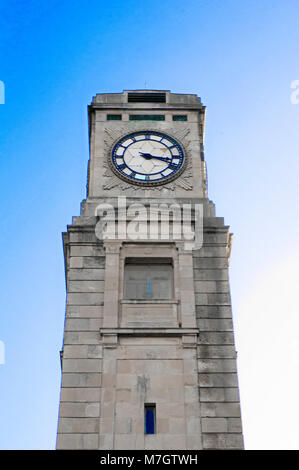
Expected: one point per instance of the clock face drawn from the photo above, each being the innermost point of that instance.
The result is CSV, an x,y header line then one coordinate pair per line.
x,y
147,158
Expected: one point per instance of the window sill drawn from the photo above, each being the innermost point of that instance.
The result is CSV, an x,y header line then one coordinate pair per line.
x,y
143,301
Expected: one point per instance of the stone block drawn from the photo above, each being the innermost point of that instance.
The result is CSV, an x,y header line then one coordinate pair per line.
x,y
80,394
170,442
85,298
125,442
213,311
234,425
219,238
210,274
176,425
85,351
216,338
76,262
81,365
83,237
82,425
106,441
92,262
211,287
163,426
193,425
210,251
82,324
77,441
210,263
86,250
82,337
218,380
123,426
219,394
214,425
85,274
223,441
217,365
86,286
81,379
215,324
207,351
106,425
84,311
79,410
212,299
223,410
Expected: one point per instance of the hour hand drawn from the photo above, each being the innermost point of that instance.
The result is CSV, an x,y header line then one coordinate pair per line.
x,y
149,156
146,155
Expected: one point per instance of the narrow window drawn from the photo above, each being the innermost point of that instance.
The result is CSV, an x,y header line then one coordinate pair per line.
x,y
147,117
150,418
179,117
113,117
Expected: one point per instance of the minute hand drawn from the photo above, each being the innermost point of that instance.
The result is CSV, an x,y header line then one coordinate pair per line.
x,y
148,156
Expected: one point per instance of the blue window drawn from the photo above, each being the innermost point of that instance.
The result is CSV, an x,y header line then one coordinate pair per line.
x,y
114,117
147,117
150,419
179,117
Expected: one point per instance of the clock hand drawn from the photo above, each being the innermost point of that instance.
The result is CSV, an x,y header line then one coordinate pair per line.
x,y
148,156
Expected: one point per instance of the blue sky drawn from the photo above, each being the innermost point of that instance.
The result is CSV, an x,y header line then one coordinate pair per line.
x,y
241,58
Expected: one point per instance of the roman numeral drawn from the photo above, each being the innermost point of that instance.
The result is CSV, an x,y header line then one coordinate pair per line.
x,y
172,166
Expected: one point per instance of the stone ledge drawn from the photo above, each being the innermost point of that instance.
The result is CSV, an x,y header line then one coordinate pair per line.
x,y
149,331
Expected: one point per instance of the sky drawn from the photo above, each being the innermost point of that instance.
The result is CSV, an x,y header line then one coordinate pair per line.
x,y
241,58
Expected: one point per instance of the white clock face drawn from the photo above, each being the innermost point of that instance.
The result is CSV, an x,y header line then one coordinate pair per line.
x,y
147,158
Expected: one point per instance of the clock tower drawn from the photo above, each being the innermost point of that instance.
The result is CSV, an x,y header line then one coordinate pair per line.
x,y
148,358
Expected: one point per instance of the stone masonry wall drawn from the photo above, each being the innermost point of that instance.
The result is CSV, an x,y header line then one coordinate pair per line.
x,y
79,413
217,370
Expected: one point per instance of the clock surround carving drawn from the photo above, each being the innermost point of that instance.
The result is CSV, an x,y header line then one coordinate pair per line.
x,y
182,179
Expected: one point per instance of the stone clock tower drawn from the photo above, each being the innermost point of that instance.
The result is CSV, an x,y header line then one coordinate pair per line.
x,y
148,358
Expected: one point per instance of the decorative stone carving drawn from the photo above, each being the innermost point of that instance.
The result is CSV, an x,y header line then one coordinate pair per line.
x,y
184,180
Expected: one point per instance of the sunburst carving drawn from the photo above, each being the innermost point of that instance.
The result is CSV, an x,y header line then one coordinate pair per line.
x,y
183,181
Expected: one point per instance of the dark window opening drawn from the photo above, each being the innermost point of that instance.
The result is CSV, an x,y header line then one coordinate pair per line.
x,y
150,279
147,97
179,117
150,418
113,117
147,117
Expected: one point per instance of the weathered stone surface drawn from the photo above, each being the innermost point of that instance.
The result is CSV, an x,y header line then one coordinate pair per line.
x,y
218,380
223,441
213,311
81,379
211,351
216,338
216,365
82,351
83,425
84,394
213,324
121,353
79,410
86,274
210,274
86,286
82,324
82,441
81,337
84,311
85,298
220,410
